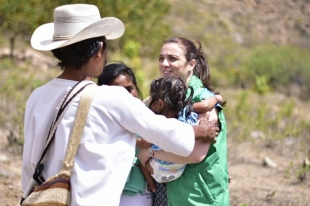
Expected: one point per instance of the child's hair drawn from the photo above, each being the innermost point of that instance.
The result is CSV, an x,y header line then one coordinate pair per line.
x,y
172,91
114,70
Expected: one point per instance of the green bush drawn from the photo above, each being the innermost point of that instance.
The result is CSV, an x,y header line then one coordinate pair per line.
x,y
270,68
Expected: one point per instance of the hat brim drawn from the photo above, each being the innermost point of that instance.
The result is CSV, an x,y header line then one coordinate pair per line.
x,y
110,27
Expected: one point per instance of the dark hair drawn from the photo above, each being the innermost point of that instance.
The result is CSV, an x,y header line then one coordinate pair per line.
x,y
78,54
172,90
113,70
201,69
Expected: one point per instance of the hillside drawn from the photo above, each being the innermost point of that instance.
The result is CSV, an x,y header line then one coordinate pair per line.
x,y
248,22
268,135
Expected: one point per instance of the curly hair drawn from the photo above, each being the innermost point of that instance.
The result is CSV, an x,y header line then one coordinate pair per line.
x,y
172,91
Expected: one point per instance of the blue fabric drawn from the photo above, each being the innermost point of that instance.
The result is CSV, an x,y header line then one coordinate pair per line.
x,y
191,119
205,94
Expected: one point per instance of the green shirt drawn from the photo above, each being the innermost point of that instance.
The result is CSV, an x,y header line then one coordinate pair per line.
x,y
204,183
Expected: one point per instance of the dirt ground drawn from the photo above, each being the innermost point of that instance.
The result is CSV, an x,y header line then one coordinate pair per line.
x,y
253,184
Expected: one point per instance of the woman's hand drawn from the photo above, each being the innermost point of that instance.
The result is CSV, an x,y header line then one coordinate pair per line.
x,y
143,156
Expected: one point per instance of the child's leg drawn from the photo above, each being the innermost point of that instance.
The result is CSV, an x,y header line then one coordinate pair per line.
x,y
147,175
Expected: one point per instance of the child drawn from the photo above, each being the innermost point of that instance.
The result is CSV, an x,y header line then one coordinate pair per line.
x,y
168,97
118,74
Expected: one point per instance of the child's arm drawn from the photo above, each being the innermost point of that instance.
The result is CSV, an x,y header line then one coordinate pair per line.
x,y
147,175
141,143
207,104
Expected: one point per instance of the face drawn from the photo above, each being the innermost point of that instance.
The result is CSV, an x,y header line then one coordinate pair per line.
x,y
126,82
172,62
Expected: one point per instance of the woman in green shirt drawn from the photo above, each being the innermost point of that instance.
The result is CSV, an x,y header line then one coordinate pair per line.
x,y
205,179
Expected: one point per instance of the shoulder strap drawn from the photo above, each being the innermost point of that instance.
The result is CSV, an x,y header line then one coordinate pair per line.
x,y
78,128
37,175
75,137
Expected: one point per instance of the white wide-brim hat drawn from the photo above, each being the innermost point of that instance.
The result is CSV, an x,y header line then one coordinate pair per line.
x,y
74,23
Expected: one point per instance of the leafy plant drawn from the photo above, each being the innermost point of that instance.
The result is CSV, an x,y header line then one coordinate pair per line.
x,y
274,68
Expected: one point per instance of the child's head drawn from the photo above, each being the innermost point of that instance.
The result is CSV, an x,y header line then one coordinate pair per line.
x,y
168,96
118,74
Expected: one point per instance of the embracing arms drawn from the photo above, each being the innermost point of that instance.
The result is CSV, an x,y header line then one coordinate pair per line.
x,y
199,152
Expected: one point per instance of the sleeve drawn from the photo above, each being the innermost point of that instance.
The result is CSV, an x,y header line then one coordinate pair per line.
x,y
168,133
205,94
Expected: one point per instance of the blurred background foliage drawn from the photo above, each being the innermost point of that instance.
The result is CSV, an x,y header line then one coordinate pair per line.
x,y
251,49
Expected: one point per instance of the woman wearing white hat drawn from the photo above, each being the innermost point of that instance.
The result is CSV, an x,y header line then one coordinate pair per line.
x,y
103,161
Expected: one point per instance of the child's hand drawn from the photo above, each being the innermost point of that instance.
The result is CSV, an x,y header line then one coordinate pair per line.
x,y
219,98
151,186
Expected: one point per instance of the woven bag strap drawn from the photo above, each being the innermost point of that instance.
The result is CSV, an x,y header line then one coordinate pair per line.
x,y
61,112
76,135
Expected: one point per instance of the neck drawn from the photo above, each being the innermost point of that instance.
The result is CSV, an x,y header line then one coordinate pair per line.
x,y
188,78
171,114
74,74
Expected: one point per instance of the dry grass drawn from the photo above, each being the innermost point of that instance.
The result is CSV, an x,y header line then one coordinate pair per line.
x,y
256,184
253,184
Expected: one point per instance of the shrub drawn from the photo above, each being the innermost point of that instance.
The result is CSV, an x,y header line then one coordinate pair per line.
x,y
271,68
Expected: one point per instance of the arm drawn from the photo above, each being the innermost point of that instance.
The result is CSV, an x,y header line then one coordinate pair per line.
x,y
207,104
148,177
141,143
199,153
171,135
